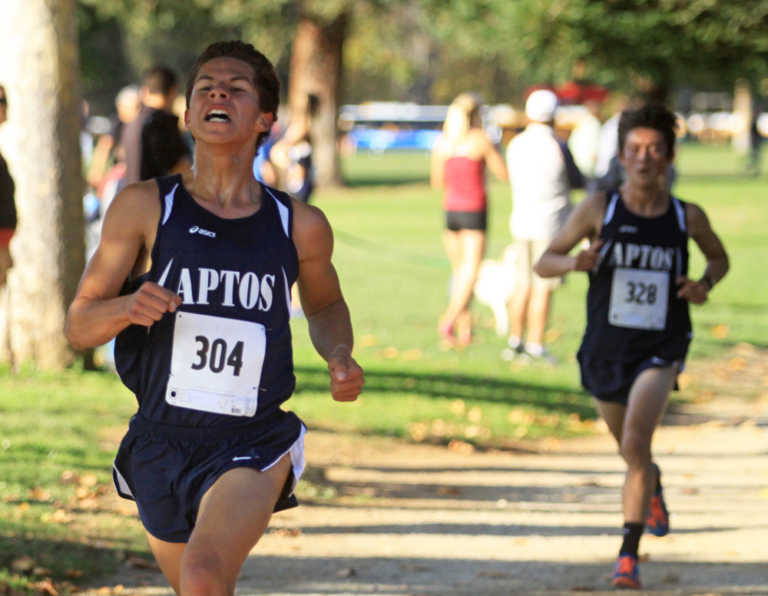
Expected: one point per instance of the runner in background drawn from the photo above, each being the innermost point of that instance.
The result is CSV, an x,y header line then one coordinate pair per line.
x,y
638,324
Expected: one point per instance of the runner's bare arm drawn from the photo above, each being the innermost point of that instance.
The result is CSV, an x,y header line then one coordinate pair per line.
x,y
436,165
717,259
330,327
494,159
98,312
584,222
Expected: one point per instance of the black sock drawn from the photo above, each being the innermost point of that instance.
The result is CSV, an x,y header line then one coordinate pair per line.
x,y
631,542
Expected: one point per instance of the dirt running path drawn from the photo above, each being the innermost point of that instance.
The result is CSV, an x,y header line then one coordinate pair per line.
x,y
408,520
412,520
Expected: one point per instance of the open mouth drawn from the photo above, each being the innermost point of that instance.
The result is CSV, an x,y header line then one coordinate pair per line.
x,y
217,116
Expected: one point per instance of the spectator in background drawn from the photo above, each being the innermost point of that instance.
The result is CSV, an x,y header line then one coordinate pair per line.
x,y
179,107
291,154
108,150
755,144
542,173
153,143
263,168
7,204
459,159
584,141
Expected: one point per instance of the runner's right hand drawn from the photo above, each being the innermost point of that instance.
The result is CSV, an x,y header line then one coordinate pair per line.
x,y
150,302
586,260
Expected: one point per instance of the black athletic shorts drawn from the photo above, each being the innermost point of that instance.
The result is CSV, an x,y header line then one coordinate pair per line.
x,y
611,380
168,469
466,220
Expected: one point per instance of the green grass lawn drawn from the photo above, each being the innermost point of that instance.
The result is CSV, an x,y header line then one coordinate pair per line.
x,y
395,275
59,432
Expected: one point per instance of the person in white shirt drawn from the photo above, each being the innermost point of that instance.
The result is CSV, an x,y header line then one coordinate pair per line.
x,y
542,173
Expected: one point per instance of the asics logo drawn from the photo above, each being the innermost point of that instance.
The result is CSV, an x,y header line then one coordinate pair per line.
x,y
202,232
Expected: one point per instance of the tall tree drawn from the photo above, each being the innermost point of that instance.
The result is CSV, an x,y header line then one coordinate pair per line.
x,y
648,45
39,46
316,68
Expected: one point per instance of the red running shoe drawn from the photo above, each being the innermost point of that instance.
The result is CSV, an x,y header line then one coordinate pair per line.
x,y
657,522
626,574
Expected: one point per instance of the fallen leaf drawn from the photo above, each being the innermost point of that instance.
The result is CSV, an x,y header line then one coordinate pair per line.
x,y
289,532
367,340
737,363
89,480
141,563
39,494
448,491
69,477
418,431
461,447
45,587
23,564
389,353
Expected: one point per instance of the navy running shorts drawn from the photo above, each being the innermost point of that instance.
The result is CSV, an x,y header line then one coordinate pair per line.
x,y
466,220
168,469
611,380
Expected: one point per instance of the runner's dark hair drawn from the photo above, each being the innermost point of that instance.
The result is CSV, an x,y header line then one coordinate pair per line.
x,y
651,115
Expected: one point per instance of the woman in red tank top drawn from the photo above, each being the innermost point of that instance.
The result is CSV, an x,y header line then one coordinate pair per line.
x,y
459,159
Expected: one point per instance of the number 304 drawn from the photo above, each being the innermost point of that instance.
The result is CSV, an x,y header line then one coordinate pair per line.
x,y
641,293
216,355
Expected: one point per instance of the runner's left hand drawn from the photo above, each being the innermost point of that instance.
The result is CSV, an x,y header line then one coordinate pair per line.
x,y
346,376
692,291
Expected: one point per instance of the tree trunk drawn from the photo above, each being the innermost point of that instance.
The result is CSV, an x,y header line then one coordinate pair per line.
x,y
38,41
316,66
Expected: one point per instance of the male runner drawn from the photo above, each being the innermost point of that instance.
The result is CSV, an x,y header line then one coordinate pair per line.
x,y
193,274
638,325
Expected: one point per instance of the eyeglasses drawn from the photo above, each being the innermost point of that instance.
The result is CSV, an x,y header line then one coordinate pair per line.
x,y
3,101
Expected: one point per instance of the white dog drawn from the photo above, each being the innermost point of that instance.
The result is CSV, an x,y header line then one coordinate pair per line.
x,y
495,284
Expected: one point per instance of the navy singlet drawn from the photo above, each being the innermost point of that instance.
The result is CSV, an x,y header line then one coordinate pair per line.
x,y
224,359
632,306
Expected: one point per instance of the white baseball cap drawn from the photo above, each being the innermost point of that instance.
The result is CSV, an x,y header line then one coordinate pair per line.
x,y
541,105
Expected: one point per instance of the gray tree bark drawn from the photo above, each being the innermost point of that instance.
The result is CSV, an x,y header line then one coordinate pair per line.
x,y
38,42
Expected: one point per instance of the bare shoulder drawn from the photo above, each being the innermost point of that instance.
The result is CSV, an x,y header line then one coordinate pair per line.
x,y
593,206
135,205
312,233
696,219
